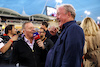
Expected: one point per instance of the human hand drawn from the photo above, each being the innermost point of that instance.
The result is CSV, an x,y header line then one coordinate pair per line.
x,y
40,44
14,38
86,56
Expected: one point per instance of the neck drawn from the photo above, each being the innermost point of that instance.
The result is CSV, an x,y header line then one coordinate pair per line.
x,y
46,29
69,19
10,35
30,39
44,39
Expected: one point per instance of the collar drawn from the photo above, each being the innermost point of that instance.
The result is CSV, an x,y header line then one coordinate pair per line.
x,y
4,34
67,24
26,40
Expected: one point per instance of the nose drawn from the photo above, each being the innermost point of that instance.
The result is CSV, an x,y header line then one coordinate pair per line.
x,y
57,17
15,30
33,30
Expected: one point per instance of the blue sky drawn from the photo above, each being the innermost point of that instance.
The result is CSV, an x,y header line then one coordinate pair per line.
x,y
32,7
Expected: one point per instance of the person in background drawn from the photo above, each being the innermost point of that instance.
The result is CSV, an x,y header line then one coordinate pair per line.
x,y
99,26
78,22
36,29
54,34
45,45
44,25
58,30
0,29
6,43
20,33
25,51
91,30
68,49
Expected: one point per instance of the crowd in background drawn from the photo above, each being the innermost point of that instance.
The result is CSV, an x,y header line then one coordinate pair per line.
x,y
72,45
37,53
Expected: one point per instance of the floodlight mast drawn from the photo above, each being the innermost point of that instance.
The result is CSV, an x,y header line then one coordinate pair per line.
x,y
44,7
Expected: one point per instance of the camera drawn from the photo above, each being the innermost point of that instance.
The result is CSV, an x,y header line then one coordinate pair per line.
x,y
18,32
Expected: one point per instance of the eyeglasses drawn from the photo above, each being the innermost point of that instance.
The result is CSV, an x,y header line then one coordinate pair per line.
x,y
40,32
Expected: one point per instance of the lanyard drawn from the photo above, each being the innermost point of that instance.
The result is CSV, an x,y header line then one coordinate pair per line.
x,y
44,39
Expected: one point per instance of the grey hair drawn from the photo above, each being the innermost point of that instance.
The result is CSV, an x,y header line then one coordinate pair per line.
x,y
69,8
23,26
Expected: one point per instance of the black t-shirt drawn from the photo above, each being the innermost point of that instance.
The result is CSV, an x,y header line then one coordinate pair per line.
x,y
54,38
48,35
48,45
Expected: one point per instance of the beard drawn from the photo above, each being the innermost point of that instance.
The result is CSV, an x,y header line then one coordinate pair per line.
x,y
41,36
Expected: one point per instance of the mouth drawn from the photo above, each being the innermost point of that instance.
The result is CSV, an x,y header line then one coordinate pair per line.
x,y
58,20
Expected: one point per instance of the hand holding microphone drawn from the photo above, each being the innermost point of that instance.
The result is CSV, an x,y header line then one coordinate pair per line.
x,y
36,36
40,43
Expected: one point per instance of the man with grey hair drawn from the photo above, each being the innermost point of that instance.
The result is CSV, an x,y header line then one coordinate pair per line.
x,y
25,51
54,34
68,49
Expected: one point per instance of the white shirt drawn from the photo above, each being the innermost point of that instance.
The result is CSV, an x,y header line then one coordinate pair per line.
x,y
1,43
28,42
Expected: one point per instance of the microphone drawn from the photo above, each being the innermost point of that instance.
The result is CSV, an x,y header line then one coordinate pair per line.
x,y
36,36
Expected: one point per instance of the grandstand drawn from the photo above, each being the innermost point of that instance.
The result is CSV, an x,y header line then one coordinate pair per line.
x,y
12,17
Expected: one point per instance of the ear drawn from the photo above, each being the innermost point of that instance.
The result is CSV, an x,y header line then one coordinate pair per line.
x,y
9,31
23,30
69,14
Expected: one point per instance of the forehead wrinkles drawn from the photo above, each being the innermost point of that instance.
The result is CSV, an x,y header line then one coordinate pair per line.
x,y
28,25
61,10
25,26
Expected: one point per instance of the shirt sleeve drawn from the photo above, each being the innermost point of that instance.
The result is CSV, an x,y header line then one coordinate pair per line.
x,y
1,43
49,45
